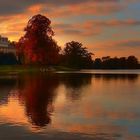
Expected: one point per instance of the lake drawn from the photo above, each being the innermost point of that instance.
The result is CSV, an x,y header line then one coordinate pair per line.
x,y
81,105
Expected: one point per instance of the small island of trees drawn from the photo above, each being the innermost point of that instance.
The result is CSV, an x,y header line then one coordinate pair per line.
x,y
37,47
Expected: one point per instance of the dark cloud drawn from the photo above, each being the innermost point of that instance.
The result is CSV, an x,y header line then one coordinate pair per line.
x,y
131,43
119,45
62,25
75,32
110,23
75,29
81,33
17,6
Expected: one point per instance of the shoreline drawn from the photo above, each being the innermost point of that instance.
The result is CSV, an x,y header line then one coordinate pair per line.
x,y
18,69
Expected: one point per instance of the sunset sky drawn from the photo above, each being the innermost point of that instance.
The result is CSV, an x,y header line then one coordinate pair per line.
x,y
106,27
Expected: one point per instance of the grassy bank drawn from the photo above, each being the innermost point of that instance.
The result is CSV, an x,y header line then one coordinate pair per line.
x,y
15,69
11,69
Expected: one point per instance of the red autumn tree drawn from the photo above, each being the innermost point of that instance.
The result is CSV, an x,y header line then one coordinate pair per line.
x,y
37,45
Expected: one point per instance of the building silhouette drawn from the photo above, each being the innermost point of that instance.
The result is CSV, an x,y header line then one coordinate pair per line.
x,y
6,46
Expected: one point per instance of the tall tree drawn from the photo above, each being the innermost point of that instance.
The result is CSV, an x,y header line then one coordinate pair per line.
x,y
76,55
37,45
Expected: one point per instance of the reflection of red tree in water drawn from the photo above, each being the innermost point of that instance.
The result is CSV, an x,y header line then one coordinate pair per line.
x,y
37,94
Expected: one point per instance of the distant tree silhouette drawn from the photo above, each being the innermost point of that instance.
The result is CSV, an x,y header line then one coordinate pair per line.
x,y
116,63
75,55
122,62
97,63
105,58
132,62
37,45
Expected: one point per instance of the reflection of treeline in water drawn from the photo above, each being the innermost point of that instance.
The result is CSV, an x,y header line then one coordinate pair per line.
x,y
130,62
37,93
109,77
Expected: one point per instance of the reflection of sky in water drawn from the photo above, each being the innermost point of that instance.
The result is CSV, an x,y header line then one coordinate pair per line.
x,y
104,105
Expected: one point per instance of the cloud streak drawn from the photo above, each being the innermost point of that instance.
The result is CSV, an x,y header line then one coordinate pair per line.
x,y
89,6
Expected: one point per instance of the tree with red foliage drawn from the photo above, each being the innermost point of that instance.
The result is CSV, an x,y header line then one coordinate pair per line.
x,y
37,45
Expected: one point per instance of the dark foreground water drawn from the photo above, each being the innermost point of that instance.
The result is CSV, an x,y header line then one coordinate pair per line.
x,y
101,105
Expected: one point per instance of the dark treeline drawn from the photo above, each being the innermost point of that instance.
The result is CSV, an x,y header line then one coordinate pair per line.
x,y
107,62
37,47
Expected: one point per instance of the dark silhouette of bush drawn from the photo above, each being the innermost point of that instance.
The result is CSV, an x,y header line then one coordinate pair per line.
x,y
77,56
97,63
132,62
8,59
107,62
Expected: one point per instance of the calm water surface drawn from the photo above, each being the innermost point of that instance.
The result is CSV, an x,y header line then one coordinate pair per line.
x,y
85,105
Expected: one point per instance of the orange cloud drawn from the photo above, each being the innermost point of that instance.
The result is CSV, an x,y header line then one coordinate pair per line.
x,y
35,8
112,23
117,48
85,8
